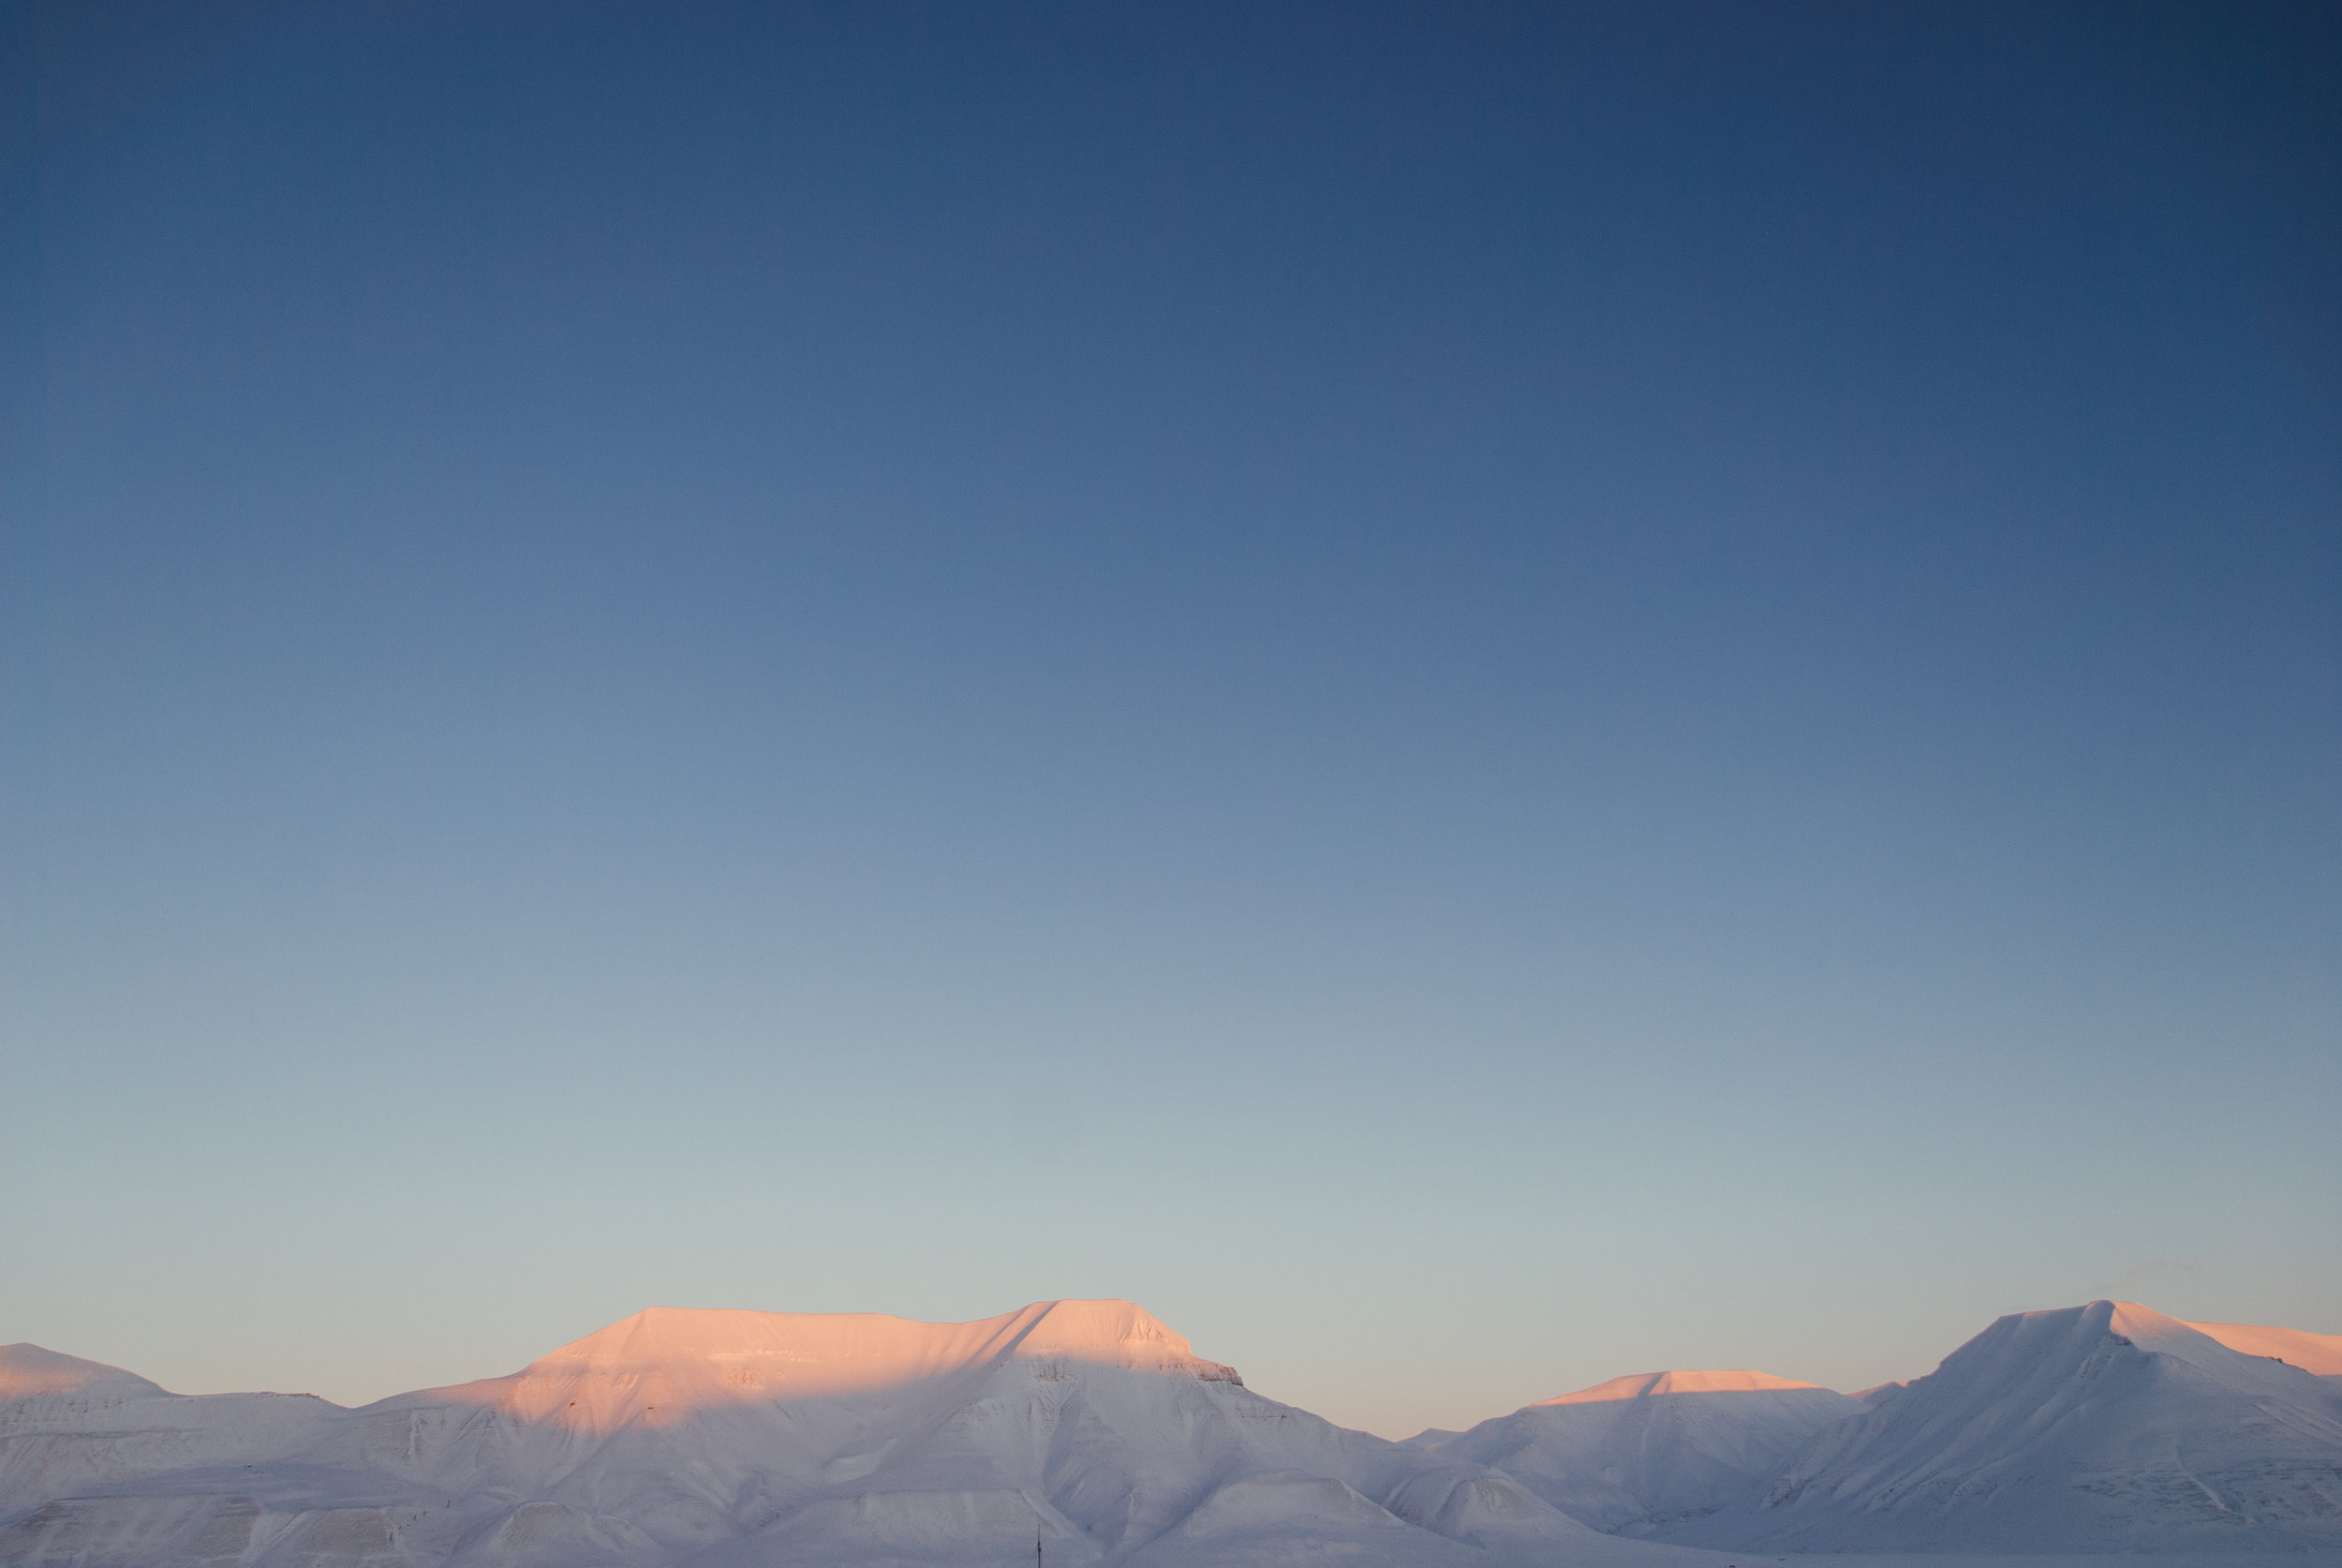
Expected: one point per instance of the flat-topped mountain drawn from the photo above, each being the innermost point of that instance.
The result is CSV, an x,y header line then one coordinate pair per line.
x,y
734,1437
668,1364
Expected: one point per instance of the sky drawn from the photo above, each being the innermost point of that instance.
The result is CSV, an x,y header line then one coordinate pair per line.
x,y
1473,697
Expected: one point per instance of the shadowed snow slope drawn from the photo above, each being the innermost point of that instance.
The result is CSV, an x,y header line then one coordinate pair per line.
x,y
2098,1427
749,1438
1640,1453
70,1426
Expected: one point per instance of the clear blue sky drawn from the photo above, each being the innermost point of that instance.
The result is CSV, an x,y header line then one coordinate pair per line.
x,y
1474,697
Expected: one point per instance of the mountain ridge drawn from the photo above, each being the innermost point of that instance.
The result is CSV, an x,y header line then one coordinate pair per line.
x,y
715,1436
2105,1427
722,1438
2317,1353
668,1364
1641,1385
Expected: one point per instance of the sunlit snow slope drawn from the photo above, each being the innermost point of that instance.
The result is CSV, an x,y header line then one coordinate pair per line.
x,y
2320,1354
747,1438
2104,1427
1641,1452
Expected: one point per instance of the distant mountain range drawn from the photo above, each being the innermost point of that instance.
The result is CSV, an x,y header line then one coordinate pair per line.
x,y
1090,1431
2104,1427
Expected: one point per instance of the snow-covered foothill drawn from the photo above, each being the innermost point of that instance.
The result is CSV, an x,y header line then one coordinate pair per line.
x,y
1642,1452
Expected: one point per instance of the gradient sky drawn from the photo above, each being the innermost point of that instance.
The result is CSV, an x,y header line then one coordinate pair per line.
x,y
1473,697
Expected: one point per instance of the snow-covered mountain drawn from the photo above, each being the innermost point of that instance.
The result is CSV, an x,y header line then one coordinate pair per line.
x,y
722,1438
1638,1454
746,1439
2104,1427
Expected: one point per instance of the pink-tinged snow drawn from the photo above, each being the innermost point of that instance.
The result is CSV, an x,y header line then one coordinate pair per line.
x,y
29,1372
720,1438
1639,1386
2320,1354
670,1364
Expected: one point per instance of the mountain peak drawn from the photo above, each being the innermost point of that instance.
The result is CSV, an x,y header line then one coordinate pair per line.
x,y
2147,1329
2098,1427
